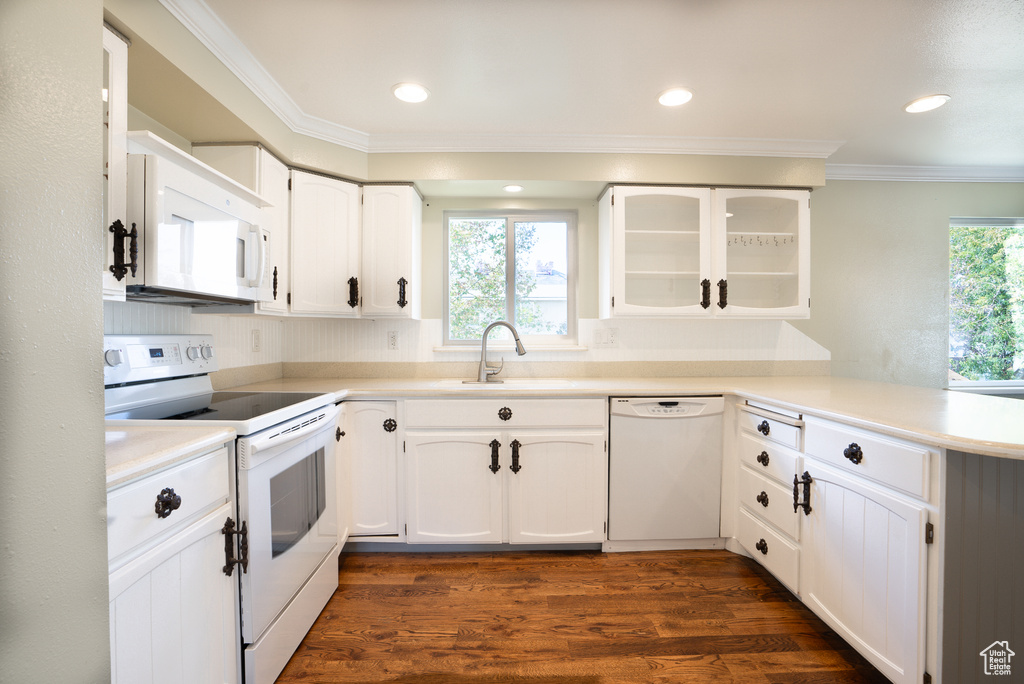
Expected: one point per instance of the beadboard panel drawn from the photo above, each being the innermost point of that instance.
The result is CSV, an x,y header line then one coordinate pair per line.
x,y
983,593
232,333
326,340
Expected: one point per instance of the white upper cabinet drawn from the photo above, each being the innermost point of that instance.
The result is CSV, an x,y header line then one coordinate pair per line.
x,y
761,252
264,174
324,246
392,216
673,251
115,165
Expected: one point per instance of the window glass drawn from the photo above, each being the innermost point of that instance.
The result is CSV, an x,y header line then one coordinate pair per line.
x,y
516,268
986,300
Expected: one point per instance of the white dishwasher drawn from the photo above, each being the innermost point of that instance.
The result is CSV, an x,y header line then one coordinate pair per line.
x,y
665,473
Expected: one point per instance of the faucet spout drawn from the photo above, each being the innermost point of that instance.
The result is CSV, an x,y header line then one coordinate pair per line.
x,y
486,371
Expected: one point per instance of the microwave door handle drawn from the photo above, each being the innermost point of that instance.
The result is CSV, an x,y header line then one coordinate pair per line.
x,y
261,256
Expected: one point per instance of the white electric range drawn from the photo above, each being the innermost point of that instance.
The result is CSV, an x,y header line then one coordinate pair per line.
x,y
285,481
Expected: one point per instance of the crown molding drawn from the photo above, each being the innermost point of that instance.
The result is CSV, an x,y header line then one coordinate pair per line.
x,y
946,174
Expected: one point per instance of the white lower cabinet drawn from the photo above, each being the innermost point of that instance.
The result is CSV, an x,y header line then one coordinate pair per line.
x,y
864,570
479,477
371,443
173,611
864,550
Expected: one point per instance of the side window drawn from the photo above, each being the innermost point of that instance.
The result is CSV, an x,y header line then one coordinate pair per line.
x,y
519,268
986,301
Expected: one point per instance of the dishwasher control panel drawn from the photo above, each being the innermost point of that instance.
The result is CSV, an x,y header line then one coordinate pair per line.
x,y
666,407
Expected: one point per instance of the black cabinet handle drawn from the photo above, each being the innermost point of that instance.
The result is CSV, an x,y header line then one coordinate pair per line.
x,y
762,499
353,292
762,546
806,481
120,268
338,434
723,294
505,413
275,283
763,459
854,453
764,428
390,425
167,502
705,290
515,456
402,282
495,445
243,546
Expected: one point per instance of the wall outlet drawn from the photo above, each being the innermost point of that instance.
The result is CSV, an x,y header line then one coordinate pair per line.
x,y
392,340
256,340
606,337
613,337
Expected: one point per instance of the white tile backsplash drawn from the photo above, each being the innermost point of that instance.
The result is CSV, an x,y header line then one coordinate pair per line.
x,y
322,340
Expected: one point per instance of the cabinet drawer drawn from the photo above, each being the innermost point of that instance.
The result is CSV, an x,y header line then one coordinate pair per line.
x,y
473,413
202,483
900,465
780,556
769,500
775,461
769,428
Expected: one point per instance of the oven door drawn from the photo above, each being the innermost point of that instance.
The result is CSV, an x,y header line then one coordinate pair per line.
x,y
196,237
287,496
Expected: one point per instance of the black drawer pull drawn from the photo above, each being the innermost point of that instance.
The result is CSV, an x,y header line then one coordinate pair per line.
x,y
166,502
763,459
762,546
495,445
505,413
764,428
762,499
854,453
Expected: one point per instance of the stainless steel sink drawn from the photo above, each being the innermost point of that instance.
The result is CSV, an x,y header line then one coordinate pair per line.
x,y
508,383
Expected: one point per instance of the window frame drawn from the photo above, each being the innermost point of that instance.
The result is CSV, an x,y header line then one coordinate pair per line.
x,y
992,387
511,217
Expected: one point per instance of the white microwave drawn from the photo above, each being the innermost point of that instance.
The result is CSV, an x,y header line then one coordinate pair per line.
x,y
199,240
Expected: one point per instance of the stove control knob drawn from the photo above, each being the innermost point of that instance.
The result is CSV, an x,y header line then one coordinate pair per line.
x,y
113,357
207,352
192,353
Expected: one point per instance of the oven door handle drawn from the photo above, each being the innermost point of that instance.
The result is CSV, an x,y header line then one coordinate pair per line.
x,y
274,438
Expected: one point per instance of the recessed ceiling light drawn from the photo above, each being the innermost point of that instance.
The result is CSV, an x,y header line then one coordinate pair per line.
x,y
673,97
926,104
410,92
513,188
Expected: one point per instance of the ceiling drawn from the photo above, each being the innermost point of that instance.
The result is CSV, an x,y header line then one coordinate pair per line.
x,y
795,78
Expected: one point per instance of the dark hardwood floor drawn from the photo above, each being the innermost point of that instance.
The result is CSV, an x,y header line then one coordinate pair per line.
x,y
576,617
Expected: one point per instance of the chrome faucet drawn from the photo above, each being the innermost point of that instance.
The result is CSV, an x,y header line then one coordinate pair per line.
x,y
487,370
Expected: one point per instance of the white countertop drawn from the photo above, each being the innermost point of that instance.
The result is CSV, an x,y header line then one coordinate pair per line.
x,y
955,420
135,451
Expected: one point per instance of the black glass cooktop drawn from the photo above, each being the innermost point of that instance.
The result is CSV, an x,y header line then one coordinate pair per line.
x,y
233,406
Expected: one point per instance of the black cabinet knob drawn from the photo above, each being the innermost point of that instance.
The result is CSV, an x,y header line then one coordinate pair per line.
x,y
166,502
763,459
762,499
764,428
762,546
854,453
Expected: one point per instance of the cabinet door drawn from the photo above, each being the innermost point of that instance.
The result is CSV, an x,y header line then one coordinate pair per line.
x,y
374,456
324,246
559,492
174,613
452,494
391,251
660,251
343,471
864,570
115,155
273,186
762,253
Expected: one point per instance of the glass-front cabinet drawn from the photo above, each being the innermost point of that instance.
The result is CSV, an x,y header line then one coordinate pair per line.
x,y
761,248
682,251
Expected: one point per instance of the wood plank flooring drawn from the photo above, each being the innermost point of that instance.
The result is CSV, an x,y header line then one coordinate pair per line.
x,y
577,617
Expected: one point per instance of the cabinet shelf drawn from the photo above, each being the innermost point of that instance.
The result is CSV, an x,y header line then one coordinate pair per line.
x,y
688,234
662,274
762,274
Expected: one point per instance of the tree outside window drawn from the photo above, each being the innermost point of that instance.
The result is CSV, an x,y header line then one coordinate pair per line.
x,y
986,301
510,267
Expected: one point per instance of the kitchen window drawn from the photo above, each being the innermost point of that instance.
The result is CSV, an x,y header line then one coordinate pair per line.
x,y
986,305
514,266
